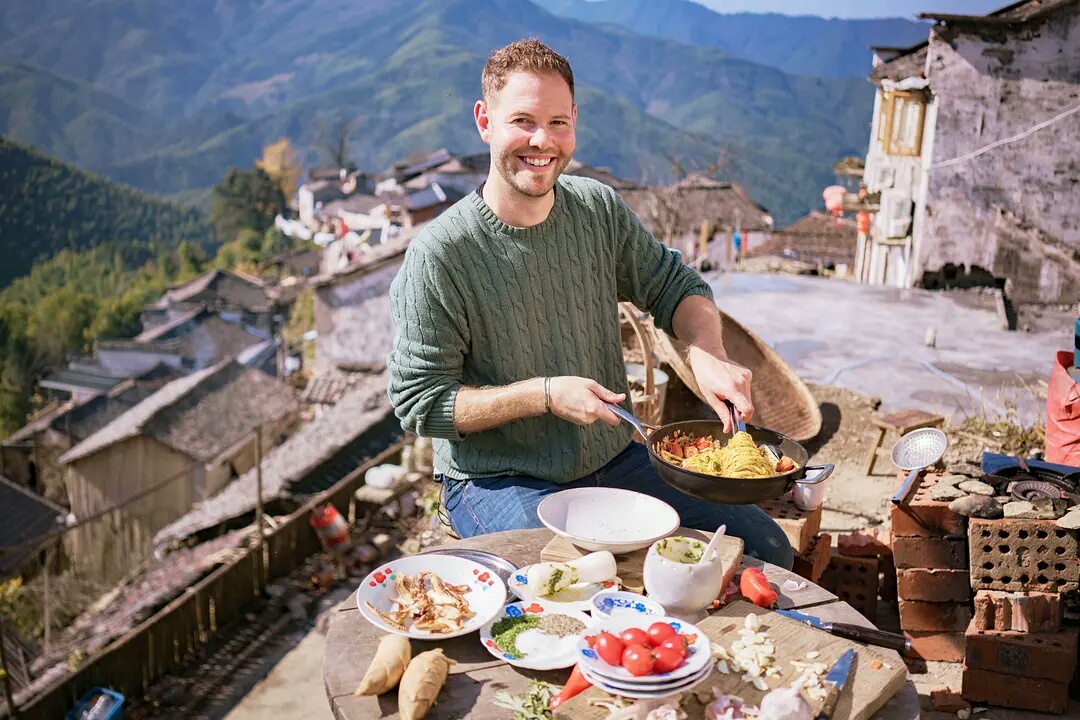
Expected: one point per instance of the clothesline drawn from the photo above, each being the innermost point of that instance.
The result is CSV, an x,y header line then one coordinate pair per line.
x,y
1006,141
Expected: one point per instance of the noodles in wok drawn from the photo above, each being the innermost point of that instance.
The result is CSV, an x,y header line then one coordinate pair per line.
x,y
741,457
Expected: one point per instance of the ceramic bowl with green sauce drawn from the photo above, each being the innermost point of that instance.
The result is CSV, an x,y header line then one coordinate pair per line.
x,y
676,576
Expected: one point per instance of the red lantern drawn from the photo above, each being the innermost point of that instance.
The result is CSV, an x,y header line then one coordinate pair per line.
x,y
862,221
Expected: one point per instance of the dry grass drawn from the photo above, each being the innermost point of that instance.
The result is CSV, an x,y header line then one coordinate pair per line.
x,y
1001,423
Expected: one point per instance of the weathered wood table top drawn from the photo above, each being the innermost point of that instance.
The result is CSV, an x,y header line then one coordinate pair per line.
x,y
478,676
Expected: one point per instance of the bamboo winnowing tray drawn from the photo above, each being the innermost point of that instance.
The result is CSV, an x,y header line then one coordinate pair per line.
x,y
868,687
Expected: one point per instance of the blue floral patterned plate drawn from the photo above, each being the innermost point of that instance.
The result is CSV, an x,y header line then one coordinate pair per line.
x,y
611,602
548,641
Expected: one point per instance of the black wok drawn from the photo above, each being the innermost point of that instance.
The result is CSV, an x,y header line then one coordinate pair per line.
x,y
714,488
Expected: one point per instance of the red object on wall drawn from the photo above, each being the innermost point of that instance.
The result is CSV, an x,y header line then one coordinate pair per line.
x,y
862,221
1063,414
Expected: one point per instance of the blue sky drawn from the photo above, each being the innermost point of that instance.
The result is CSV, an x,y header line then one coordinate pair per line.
x,y
858,8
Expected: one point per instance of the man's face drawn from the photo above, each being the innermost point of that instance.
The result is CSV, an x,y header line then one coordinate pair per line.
x,y
529,125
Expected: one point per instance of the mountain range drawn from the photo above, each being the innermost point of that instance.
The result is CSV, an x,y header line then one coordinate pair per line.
x,y
800,45
167,96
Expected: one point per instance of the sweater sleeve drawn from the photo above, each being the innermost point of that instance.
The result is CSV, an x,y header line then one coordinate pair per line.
x,y
649,274
429,346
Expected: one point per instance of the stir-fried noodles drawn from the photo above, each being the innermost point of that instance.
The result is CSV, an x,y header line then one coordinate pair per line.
x,y
740,457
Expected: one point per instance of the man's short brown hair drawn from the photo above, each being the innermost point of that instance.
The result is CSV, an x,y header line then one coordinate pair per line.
x,y
530,56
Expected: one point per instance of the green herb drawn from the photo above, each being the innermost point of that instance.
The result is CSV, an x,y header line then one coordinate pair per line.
x,y
505,632
553,583
534,705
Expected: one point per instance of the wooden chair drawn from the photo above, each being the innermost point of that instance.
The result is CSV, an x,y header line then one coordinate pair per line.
x,y
901,422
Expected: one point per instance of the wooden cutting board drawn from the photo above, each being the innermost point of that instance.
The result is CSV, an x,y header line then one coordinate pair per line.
x,y
629,566
868,687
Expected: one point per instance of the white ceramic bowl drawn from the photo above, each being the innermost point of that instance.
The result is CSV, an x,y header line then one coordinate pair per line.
x,y
597,518
486,595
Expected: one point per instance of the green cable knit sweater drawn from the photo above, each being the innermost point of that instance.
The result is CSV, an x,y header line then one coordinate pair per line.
x,y
480,303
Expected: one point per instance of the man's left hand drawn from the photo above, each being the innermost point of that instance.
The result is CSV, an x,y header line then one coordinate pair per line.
x,y
720,379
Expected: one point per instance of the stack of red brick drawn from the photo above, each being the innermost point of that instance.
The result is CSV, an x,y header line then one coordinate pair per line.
x,y
987,593
932,579
811,548
851,571
1018,653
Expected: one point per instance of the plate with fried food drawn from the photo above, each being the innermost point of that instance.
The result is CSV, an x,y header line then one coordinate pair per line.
x,y
431,597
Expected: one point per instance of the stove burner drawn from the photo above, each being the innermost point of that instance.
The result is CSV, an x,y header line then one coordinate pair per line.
x,y
1014,473
1035,490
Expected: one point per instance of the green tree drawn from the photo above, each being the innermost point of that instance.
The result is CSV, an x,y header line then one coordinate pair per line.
x,y
245,199
192,261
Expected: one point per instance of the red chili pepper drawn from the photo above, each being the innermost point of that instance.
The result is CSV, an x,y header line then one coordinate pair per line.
x,y
573,686
755,587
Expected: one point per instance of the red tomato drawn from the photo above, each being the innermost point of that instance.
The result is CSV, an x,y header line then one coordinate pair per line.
x,y
677,644
634,636
659,632
609,648
667,659
637,660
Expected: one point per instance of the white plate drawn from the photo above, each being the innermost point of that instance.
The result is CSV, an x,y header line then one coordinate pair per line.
x,y
697,657
576,597
486,596
646,685
540,650
597,518
643,692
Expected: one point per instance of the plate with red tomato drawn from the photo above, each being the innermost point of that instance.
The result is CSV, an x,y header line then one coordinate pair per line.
x,y
643,649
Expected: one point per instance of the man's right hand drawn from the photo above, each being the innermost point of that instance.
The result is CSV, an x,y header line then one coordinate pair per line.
x,y
582,401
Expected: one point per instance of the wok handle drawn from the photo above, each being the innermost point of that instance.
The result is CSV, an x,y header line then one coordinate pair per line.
x,y
824,471
629,417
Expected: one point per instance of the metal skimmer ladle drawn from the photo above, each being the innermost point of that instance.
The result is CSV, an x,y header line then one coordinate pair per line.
x,y
917,450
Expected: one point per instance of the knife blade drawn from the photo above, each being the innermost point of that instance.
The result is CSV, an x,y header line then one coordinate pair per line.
x,y
850,631
837,678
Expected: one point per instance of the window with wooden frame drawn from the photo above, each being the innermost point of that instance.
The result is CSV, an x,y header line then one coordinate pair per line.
x,y
905,111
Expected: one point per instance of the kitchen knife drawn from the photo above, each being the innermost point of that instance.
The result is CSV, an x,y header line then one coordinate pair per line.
x,y
837,677
858,633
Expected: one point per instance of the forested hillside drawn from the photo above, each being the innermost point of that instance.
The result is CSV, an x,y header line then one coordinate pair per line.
x,y
47,206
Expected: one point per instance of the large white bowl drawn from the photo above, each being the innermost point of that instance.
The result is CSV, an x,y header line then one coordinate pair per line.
x,y
598,518
486,595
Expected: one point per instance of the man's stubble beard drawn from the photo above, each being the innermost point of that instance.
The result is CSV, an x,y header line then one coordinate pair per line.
x,y
509,177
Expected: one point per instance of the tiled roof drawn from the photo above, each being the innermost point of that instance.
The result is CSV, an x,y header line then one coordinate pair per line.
x,y
200,415
219,289
816,236
24,515
694,200
1015,14
310,448
89,380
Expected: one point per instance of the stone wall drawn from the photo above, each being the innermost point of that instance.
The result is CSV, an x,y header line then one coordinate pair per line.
x,y
1015,209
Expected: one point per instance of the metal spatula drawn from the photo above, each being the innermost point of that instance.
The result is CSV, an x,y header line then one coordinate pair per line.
x,y
917,450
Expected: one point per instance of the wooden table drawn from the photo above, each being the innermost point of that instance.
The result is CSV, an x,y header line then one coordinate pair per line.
x,y
477,677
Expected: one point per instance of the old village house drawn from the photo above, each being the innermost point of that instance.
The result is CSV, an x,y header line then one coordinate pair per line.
x,y
185,442
974,151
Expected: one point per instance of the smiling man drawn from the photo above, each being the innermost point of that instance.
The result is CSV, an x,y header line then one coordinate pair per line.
x,y
508,345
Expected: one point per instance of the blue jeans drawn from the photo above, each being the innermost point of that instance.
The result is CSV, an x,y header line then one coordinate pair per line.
x,y
488,505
